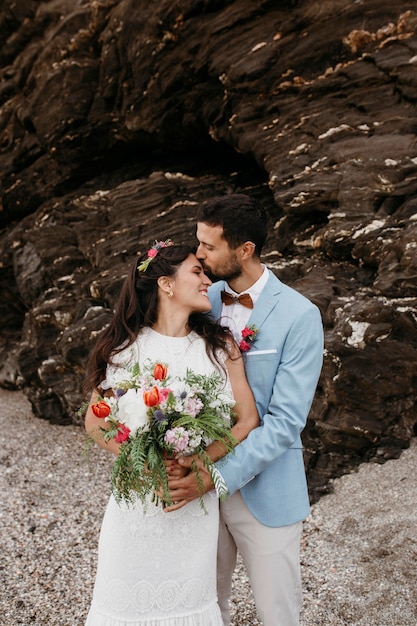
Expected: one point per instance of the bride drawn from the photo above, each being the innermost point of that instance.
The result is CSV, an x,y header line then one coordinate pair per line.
x,y
158,568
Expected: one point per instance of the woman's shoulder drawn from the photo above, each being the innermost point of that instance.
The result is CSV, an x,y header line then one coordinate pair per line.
x,y
125,351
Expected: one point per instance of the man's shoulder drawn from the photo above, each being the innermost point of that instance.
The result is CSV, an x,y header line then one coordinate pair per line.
x,y
288,293
273,287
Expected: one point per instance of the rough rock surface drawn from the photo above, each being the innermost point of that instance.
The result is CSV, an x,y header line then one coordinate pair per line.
x,y
118,118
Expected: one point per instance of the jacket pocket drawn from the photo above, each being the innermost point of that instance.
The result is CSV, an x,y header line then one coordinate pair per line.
x,y
260,352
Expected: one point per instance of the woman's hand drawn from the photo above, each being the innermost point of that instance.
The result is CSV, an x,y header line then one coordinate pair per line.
x,y
174,469
188,488
175,472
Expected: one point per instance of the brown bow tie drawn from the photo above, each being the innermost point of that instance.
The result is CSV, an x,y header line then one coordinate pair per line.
x,y
244,299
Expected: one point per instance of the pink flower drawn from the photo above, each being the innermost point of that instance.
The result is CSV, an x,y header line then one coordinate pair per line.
x,y
193,406
244,345
177,439
248,335
164,393
248,332
123,433
152,252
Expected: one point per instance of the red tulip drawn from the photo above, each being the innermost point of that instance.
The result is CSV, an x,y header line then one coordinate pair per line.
x,y
151,397
101,409
160,371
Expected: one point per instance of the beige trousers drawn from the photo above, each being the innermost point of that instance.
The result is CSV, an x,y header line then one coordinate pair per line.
x,y
272,558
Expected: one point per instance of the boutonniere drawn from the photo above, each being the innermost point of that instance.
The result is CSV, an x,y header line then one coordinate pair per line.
x,y
248,337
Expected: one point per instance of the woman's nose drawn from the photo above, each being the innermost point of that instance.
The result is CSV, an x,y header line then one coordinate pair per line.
x,y
207,280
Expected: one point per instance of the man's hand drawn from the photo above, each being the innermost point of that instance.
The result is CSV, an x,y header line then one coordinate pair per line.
x,y
191,486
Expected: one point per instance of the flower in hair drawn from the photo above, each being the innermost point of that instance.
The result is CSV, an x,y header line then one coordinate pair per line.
x,y
152,252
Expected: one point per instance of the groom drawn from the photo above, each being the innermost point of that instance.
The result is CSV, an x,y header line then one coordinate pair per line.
x,y
265,477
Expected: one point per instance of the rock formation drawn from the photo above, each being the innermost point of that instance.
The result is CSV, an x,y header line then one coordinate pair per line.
x,y
118,117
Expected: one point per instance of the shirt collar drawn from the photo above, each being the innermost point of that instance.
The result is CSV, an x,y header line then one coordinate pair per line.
x,y
255,290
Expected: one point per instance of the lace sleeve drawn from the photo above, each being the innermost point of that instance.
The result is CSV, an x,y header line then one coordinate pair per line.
x,y
222,357
117,371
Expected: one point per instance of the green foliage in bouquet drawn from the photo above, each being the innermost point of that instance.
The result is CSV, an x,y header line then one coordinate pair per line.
x,y
154,418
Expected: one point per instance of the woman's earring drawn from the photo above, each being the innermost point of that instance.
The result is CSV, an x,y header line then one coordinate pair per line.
x,y
170,293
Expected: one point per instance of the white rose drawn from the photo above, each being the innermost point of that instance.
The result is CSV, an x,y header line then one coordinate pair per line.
x,y
133,411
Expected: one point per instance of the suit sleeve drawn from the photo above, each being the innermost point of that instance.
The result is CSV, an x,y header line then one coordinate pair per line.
x,y
283,390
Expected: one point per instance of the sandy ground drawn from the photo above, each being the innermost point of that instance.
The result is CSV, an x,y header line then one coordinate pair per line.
x,y
359,549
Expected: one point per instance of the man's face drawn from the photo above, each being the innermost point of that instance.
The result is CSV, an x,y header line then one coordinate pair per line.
x,y
214,253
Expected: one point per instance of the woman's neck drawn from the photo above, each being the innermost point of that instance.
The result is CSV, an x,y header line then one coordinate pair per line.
x,y
171,326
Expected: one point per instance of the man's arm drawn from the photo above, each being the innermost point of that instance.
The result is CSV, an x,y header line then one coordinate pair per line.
x,y
184,489
293,390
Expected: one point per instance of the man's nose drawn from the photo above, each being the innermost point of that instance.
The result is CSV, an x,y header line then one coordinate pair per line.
x,y
200,253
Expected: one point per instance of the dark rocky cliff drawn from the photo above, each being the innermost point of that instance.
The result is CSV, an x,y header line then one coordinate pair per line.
x,y
118,117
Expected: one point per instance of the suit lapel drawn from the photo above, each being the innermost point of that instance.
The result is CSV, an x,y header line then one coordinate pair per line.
x,y
266,302
215,299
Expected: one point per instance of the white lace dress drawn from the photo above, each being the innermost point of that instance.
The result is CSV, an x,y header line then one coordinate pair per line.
x,y
156,568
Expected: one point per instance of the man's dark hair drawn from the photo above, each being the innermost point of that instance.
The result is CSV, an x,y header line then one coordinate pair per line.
x,y
240,216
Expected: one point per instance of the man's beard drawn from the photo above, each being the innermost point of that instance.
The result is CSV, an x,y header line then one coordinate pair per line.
x,y
228,271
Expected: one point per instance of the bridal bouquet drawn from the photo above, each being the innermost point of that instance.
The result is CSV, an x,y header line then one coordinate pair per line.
x,y
155,417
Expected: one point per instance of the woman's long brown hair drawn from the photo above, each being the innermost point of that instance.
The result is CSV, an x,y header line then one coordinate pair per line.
x,y
137,307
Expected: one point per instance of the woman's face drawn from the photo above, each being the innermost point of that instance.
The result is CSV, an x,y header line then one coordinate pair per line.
x,y
189,286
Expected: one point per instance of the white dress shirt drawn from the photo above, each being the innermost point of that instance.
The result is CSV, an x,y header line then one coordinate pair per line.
x,y
236,316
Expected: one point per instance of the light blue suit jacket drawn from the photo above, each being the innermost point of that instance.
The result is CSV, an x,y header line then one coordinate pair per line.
x,y
282,367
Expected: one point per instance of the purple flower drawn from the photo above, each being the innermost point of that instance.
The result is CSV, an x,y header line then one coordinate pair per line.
x,y
159,416
120,392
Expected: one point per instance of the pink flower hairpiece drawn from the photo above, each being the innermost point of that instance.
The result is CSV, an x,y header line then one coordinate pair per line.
x,y
248,337
153,251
